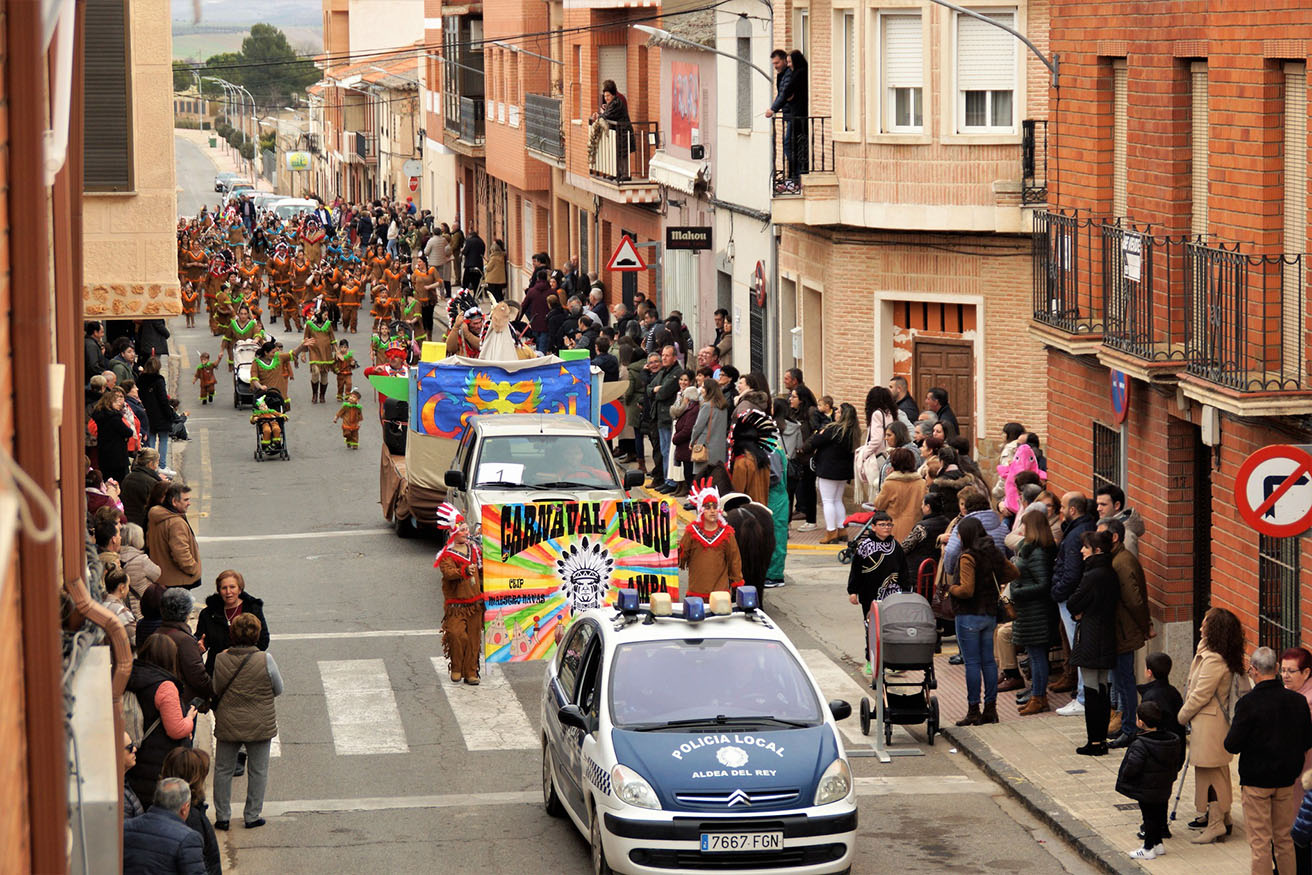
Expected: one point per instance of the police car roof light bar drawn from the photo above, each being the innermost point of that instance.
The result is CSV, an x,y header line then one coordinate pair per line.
x,y
748,599
627,601
694,609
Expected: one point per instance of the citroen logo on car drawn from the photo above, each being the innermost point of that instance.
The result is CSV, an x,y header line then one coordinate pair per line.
x,y
738,797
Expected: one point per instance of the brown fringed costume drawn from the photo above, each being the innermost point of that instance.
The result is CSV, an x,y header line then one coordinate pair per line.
x,y
462,622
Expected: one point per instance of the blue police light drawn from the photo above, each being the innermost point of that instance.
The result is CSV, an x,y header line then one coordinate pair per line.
x,y
748,599
694,609
627,600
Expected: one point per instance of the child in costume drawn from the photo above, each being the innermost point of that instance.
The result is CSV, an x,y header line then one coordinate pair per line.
x,y
708,548
879,568
190,303
318,348
343,364
205,376
350,414
461,565
352,296
269,423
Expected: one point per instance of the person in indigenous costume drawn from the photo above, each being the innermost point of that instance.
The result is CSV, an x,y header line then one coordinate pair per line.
x,y
351,416
271,370
461,565
708,548
318,348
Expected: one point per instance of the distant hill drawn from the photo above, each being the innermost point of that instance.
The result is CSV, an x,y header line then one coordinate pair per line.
x,y
244,13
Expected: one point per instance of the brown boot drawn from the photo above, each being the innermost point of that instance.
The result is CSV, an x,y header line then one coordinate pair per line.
x,y
972,717
1114,725
1215,830
1065,683
1036,705
830,537
990,714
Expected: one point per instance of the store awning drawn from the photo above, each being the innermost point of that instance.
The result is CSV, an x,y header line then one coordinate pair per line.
x,y
677,173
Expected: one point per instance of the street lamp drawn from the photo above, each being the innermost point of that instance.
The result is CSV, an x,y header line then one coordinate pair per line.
x,y
1051,64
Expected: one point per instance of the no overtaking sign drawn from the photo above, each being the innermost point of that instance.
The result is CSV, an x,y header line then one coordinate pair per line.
x,y
1273,491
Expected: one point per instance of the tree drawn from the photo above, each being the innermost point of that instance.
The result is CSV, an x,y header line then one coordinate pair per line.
x,y
272,71
182,77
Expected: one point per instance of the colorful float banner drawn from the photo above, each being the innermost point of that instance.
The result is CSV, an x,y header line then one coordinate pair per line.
x,y
446,393
544,562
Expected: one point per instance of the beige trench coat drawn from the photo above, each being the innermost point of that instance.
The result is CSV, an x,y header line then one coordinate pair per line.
x,y
1206,707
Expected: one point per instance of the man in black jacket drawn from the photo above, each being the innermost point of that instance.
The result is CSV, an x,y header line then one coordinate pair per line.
x,y
1271,732
93,350
1066,572
662,389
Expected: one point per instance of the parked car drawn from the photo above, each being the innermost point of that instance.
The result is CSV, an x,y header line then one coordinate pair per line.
x,y
675,739
289,207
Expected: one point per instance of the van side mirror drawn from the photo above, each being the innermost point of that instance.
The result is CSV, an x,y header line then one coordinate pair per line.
x,y
570,715
454,478
633,478
840,709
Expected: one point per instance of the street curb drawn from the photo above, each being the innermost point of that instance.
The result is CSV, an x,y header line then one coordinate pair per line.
x,y
1086,841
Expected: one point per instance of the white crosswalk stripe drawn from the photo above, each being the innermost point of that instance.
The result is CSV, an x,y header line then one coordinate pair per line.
x,y
490,715
836,683
362,708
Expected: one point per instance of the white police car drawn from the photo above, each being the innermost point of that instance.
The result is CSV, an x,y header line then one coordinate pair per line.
x,y
678,740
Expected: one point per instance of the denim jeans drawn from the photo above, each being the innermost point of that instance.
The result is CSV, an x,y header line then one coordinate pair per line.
x,y
160,441
975,638
257,778
1038,669
665,434
544,341
1126,692
1069,622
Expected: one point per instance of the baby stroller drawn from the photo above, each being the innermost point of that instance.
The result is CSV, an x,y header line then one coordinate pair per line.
x,y
243,355
277,448
866,520
907,636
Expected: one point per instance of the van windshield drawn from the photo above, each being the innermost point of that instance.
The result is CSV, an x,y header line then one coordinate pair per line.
x,y
710,681
546,461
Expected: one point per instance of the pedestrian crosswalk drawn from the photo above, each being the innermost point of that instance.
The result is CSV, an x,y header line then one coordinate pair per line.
x,y
363,705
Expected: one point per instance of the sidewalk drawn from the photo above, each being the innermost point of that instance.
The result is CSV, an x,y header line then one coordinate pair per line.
x,y
1032,757
224,157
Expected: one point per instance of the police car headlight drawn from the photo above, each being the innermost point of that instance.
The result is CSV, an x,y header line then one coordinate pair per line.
x,y
835,783
632,788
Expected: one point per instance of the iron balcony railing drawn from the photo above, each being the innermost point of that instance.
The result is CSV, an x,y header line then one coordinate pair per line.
x,y
1247,319
1145,283
1065,272
542,125
622,154
471,120
1033,162
799,146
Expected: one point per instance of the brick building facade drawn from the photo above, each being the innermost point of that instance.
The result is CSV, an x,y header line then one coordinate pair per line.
x,y
906,250
1174,252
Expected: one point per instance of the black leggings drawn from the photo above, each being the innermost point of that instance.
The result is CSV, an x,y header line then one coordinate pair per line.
x,y
1154,822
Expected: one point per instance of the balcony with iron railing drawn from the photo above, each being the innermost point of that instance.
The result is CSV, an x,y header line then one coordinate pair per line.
x,y
544,135
471,120
1067,295
620,155
799,147
1247,335
1033,162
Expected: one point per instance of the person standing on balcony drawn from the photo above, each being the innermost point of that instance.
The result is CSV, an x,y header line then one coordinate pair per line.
x,y
615,110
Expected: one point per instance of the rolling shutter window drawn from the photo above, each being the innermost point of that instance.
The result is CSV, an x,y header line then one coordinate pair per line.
x,y
903,67
1293,297
612,63
107,98
986,55
1198,136
848,32
1120,122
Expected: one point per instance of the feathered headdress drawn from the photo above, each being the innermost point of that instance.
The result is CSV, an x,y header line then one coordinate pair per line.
x,y
753,427
448,517
461,302
702,492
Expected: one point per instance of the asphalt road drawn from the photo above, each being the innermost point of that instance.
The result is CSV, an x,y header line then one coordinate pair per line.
x,y
195,177
383,765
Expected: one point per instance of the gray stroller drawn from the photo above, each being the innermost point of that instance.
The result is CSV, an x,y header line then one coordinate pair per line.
x,y
907,634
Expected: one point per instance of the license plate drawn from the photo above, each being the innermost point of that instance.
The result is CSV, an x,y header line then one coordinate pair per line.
x,y
716,842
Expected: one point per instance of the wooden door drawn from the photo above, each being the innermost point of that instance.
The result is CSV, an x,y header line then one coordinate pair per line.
x,y
949,364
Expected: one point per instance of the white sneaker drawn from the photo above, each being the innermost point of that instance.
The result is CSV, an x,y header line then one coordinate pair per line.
x,y
1160,849
1143,854
806,527
1073,708
168,473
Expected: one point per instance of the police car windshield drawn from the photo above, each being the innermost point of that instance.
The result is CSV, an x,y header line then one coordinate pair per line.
x,y
545,461
656,684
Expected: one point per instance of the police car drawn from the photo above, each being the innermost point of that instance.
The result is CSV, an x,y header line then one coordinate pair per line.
x,y
691,737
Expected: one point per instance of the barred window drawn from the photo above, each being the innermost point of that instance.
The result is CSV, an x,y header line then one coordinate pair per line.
x,y
1277,592
1106,456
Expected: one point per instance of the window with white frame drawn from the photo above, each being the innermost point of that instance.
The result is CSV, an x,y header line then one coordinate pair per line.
x,y
986,74
802,31
903,65
847,56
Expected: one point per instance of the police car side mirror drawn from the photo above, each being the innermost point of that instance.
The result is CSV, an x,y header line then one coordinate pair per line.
x,y
570,715
632,479
840,709
454,478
